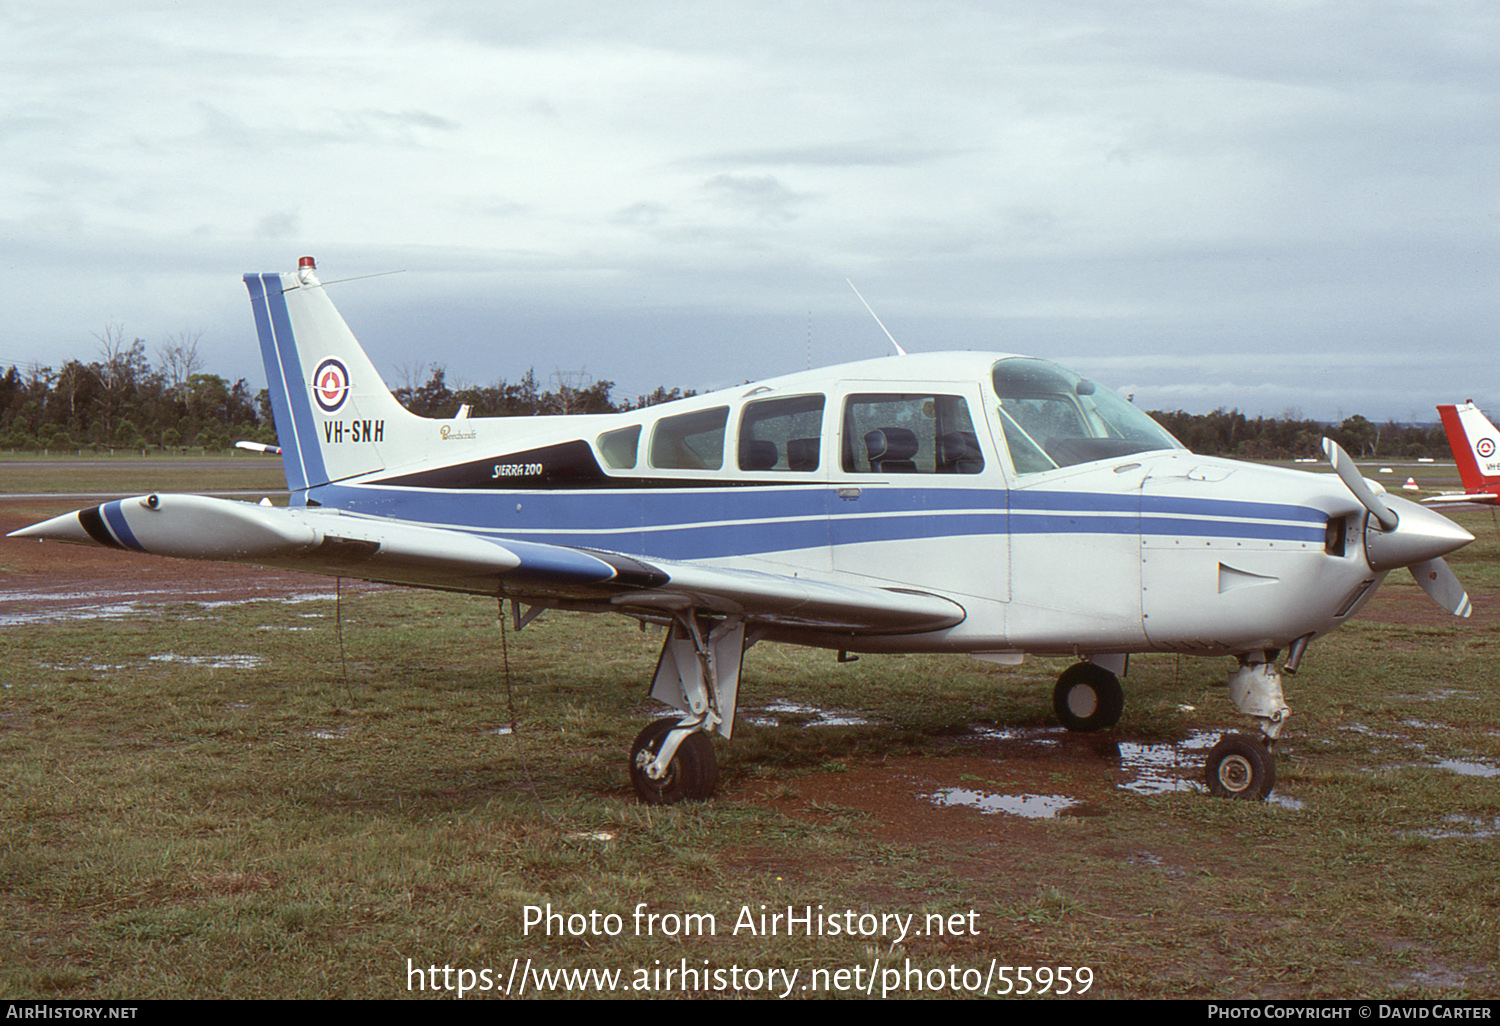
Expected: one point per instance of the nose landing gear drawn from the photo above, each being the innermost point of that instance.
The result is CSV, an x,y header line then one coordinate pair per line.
x,y
1241,766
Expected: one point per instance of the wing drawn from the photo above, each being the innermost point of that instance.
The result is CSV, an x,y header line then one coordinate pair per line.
x,y
326,541
1478,500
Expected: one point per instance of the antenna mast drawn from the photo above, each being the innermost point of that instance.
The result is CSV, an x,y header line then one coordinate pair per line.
x,y
878,321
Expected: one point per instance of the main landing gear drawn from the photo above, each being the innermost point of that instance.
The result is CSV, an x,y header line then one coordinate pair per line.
x,y
698,674
691,771
1088,698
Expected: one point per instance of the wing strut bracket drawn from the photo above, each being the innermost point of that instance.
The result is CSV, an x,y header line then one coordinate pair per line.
x,y
522,619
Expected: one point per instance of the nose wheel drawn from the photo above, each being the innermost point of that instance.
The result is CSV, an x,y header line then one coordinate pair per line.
x,y
1240,766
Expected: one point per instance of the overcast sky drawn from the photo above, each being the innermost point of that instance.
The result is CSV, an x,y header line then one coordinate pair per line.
x,y
1272,205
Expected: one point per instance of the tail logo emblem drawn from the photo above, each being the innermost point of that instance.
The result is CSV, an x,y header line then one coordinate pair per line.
x,y
1485,447
330,385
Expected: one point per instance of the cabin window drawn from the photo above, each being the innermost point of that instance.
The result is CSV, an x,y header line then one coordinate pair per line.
x,y
910,433
690,441
782,434
619,447
1053,417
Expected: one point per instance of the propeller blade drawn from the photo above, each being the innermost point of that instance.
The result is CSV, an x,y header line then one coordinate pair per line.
x,y
1441,585
1348,473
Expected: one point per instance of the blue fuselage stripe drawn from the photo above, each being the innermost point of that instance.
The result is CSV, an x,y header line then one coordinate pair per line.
x,y
709,523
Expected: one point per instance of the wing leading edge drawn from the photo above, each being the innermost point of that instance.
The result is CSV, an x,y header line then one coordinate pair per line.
x,y
333,543
1476,500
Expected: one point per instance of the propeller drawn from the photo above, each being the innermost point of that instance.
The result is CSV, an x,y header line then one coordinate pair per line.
x,y
1441,584
1405,534
1348,473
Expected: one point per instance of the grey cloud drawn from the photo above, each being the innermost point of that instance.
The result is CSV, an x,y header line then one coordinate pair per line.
x,y
764,195
853,154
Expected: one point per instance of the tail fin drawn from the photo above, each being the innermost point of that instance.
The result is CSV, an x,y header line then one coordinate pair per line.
x,y
335,418
1476,446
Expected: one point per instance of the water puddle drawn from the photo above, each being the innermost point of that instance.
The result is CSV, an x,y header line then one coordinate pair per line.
x,y
1410,747
26,608
1469,769
1463,828
791,714
220,662
1031,806
1143,768
1164,768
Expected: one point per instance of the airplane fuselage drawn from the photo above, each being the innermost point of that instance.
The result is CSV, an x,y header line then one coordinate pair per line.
x,y
1151,550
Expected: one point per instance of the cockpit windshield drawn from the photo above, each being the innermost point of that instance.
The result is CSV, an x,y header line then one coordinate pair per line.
x,y
1055,418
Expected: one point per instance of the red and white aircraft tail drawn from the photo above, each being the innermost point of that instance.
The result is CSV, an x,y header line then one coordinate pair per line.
x,y
1476,450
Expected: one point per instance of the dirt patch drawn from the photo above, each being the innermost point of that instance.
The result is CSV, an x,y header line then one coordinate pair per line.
x,y
1398,604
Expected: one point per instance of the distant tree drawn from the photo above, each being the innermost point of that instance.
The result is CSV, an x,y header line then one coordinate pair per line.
x,y
180,359
661,395
430,399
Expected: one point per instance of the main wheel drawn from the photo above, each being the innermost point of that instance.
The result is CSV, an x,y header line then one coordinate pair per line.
x,y
1241,767
1088,698
691,774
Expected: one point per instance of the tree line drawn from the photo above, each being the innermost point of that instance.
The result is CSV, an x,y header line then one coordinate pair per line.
x,y
1231,433
123,401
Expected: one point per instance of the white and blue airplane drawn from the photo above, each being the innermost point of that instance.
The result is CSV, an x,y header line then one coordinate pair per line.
x,y
980,503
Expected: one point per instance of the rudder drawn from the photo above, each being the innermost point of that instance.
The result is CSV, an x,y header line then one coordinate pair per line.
x,y
335,417
1475,443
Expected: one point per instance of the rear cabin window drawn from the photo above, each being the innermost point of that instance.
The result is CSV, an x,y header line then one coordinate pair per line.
x,y
690,441
782,434
910,433
618,447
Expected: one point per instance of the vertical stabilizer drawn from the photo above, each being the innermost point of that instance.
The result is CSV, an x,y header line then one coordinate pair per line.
x,y
335,418
1476,446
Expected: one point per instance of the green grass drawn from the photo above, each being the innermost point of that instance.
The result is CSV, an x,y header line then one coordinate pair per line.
x,y
183,829
33,472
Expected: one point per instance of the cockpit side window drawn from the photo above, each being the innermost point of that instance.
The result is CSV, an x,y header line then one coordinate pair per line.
x,y
910,433
782,434
1055,418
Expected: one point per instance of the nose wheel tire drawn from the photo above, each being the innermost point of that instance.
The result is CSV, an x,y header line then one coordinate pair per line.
x,y
1240,767
690,776
1088,698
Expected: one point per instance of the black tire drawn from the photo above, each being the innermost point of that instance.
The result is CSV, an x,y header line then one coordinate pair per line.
x,y
1088,698
1240,767
691,775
